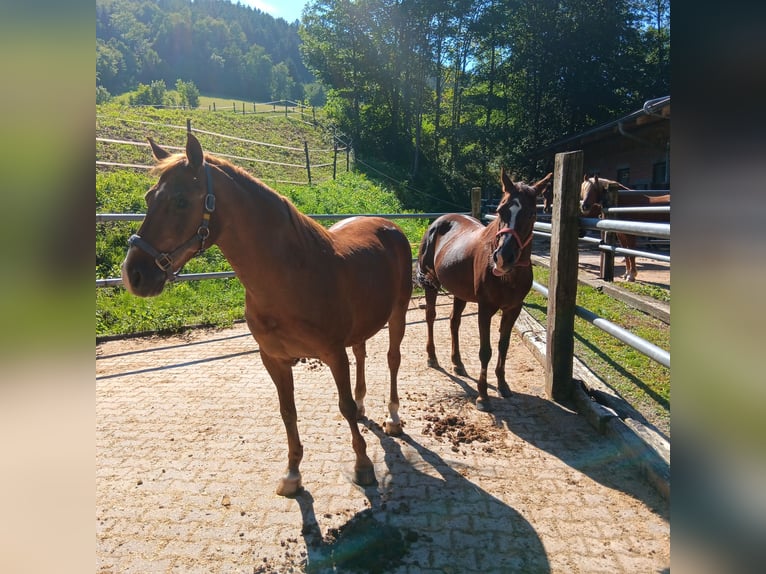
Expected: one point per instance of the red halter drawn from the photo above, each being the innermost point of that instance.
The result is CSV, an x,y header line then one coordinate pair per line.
x,y
522,244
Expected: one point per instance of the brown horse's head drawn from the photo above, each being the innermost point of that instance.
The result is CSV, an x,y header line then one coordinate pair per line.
x,y
176,226
548,197
515,219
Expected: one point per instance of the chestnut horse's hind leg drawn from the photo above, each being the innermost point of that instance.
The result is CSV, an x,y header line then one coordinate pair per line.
x,y
360,389
396,325
506,325
282,375
431,293
454,326
364,472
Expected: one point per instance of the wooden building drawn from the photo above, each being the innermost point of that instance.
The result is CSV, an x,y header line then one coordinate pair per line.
x,y
634,150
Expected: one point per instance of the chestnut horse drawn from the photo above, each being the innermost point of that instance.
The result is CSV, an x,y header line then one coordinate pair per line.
x,y
594,196
489,265
309,292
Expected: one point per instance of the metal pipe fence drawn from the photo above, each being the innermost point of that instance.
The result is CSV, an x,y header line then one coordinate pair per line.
x,y
117,281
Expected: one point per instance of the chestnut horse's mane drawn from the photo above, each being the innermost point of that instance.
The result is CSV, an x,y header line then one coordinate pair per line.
x,y
249,183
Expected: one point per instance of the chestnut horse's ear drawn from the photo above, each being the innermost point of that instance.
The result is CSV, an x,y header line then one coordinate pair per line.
x,y
157,151
543,183
194,151
505,179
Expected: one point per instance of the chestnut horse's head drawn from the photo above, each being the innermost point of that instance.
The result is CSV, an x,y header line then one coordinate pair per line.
x,y
592,196
516,216
177,222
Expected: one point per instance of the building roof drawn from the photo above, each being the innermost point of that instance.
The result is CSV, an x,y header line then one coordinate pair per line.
x,y
652,111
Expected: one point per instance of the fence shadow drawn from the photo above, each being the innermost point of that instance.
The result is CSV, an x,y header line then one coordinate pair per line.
x,y
566,435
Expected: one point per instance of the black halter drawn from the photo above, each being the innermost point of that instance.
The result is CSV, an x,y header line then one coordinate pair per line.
x,y
165,260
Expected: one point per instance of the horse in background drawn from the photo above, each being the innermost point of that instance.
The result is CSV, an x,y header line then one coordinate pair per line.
x,y
489,265
547,195
309,291
594,197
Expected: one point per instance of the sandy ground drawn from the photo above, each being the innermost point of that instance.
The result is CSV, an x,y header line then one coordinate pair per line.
x,y
190,446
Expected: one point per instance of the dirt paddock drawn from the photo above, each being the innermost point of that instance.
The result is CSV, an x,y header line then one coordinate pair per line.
x,y
190,447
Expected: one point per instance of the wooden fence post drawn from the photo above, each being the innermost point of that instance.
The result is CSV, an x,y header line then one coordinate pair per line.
x,y
308,163
476,202
562,286
334,158
610,237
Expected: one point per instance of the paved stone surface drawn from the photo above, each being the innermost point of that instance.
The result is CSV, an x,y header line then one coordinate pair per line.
x,y
190,447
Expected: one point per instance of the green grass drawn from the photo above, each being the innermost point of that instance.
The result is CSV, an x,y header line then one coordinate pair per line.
x,y
641,381
653,291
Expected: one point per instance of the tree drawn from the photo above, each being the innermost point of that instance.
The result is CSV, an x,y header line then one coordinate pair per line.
x,y
188,93
281,82
151,95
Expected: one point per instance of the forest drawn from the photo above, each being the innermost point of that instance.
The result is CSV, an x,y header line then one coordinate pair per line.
x,y
438,95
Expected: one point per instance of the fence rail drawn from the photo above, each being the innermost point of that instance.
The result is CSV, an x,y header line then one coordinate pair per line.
x,y
117,281
338,147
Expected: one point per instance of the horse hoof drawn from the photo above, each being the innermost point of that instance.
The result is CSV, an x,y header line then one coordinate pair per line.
x,y
393,429
360,412
289,486
365,476
433,363
505,391
460,371
483,405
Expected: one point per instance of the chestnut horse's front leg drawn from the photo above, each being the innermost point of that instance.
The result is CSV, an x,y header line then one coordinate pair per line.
x,y
506,325
485,354
282,374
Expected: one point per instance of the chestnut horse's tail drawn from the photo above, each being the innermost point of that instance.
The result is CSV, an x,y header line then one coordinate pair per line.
x,y
425,274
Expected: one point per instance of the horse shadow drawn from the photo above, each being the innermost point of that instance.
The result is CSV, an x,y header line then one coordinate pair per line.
x,y
424,514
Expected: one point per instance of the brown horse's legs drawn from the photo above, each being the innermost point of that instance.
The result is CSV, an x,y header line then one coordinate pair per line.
x,y
360,389
430,317
396,324
506,324
364,472
454,326
485,354
282,374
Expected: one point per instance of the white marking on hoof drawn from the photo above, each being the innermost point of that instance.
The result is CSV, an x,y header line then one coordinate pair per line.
x,y
359,411
289,485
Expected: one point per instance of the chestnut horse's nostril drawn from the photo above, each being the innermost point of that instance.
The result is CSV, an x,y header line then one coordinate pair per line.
x,y
135,278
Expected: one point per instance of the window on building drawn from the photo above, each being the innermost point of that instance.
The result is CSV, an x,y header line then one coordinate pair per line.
x,y
659,175
623,176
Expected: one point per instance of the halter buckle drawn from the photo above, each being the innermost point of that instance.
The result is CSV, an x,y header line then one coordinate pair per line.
x,y
164,261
